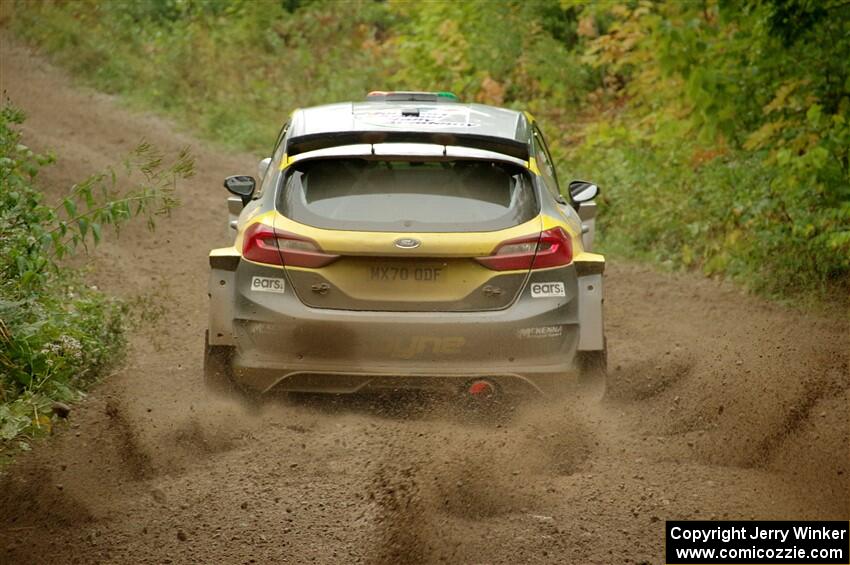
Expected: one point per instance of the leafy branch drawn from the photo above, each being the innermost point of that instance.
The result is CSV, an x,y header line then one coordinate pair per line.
x,y
103,204
145,187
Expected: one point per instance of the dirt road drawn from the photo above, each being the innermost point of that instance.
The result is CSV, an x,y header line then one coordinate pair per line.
x,y
719,406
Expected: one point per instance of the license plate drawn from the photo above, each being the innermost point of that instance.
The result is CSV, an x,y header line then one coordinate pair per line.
x,y
406,273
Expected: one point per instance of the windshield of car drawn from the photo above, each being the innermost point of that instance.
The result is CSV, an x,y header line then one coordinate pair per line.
x,y
406,196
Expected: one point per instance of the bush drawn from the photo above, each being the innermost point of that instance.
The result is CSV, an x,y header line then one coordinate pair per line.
x,y
727,147
57,335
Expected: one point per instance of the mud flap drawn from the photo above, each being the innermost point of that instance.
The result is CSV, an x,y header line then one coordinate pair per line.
x,y
591,330
222,293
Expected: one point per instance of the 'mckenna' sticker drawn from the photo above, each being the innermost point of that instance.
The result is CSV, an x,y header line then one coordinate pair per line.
x,y
542,331
268,284
547,289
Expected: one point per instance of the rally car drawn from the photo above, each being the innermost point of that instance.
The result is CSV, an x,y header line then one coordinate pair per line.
x,y
408,241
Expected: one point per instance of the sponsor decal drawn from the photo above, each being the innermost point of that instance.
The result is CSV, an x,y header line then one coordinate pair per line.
x,y
547,289
543,331
268,284
417,346
259,328
424,117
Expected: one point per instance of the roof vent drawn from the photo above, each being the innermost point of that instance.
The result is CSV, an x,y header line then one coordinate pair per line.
x,y
408,96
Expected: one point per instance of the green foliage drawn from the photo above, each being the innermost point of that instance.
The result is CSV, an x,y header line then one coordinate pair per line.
x,y
719,130
232,70
56,334
729,151
497,54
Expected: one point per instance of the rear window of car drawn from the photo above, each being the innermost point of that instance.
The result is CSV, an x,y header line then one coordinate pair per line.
x,y
406,196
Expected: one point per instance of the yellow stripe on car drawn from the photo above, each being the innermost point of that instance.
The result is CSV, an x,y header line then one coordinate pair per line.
x,y
285,161
454,244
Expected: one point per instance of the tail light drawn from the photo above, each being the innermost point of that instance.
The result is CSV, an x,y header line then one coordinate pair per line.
x,y
264,244
551,248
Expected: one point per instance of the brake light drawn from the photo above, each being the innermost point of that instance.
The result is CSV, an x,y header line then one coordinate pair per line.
x,y
260,245
551,248
555,249
264,244
512,255
299,251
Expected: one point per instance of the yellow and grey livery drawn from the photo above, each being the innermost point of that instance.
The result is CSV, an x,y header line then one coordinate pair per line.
x,y
408,241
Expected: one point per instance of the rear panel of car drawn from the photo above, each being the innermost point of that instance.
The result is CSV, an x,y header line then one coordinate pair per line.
x,y
405,236
372,273
282,341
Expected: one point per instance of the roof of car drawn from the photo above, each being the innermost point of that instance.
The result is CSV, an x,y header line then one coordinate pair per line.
x,y
442,117
383,121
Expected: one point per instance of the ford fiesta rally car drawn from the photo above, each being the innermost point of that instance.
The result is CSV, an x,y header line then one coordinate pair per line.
x,y
407,241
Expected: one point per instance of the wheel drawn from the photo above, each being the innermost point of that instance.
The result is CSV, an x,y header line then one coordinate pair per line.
x,y
593,370
217,368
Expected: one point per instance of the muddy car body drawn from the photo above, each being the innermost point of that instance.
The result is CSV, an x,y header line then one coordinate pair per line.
x,y
407,241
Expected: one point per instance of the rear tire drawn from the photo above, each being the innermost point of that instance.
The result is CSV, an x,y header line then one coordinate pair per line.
x,y
217,368
593,371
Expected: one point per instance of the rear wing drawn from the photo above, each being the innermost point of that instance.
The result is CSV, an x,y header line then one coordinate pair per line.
x,y
315,141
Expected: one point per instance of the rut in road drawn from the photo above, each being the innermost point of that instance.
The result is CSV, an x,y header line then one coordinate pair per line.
x,y
719,406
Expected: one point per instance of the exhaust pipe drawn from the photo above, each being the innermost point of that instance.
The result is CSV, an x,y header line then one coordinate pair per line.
x,y
481,390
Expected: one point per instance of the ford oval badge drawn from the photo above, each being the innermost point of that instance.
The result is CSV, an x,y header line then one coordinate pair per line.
x,y
407,243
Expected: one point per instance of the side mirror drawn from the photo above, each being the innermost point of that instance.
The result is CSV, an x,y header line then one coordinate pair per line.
x,y
263,167
242,186
583,191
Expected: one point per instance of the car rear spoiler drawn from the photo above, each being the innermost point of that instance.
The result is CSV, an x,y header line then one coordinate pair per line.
x,y
314,141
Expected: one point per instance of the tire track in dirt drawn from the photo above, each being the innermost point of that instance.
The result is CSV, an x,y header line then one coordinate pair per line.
x,y
720,406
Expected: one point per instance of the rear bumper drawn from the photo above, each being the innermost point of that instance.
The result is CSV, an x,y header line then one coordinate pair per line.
x,y
280,343
515,384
